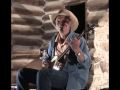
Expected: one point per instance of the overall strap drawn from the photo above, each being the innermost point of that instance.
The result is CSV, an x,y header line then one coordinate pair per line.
x,y
53,44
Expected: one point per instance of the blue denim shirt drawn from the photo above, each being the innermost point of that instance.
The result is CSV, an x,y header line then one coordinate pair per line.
x,y
78,73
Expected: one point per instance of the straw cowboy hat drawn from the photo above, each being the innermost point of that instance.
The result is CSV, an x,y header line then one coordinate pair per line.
x,y
65,12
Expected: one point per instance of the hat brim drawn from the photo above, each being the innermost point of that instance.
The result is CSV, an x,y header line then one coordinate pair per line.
x,y
74,20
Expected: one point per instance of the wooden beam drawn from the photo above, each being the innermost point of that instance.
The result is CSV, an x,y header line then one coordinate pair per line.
x,y
13,76
96,5
26,19
27,9
19,51
32,40
27,29
73,2
45,17
19,63
95,16
47,25
31,2
35,64
53,5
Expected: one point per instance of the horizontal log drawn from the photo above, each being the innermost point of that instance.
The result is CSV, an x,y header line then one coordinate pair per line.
x,y
47,25
50,31
19,49
95,5
73,2
26,12
52,12
32,40
13,77
26,19
53,5
19,63
25,52
45,17
35,64
16,56
26,29
31,2
27,9
52,0
95,16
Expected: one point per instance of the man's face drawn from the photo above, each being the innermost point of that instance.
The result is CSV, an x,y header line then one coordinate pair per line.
x,y
63,24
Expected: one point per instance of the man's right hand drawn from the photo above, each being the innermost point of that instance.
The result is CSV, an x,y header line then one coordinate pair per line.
x,y
45,64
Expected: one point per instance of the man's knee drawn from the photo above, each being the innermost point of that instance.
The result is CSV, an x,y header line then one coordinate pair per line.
x,y
21,72
42,73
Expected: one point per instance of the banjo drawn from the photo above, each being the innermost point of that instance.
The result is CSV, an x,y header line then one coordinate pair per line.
x,y
56,59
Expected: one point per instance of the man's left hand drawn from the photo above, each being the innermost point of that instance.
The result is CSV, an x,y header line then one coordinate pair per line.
x,y
75,45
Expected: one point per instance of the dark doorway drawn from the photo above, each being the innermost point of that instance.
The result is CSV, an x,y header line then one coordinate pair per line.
x,y
79,10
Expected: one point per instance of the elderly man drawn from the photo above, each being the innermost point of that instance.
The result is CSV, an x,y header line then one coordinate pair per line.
x,y
74,74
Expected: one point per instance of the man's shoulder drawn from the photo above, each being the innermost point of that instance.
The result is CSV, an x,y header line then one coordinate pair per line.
x,y
53,37
52,40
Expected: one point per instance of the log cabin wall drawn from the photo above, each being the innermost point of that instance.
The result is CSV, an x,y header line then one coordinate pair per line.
x,y
31,31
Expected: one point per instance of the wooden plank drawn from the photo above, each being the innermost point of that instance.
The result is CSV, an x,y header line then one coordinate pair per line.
x,y
36,64
32,40
26,29
53,5
27,9
73,2
47,25
26,19
45,17
16,56
13,76
95,16
19,51
52,0
96,5
31,2
19,63
52,11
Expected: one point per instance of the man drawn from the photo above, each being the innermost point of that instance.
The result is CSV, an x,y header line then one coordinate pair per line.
x,y
74,74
